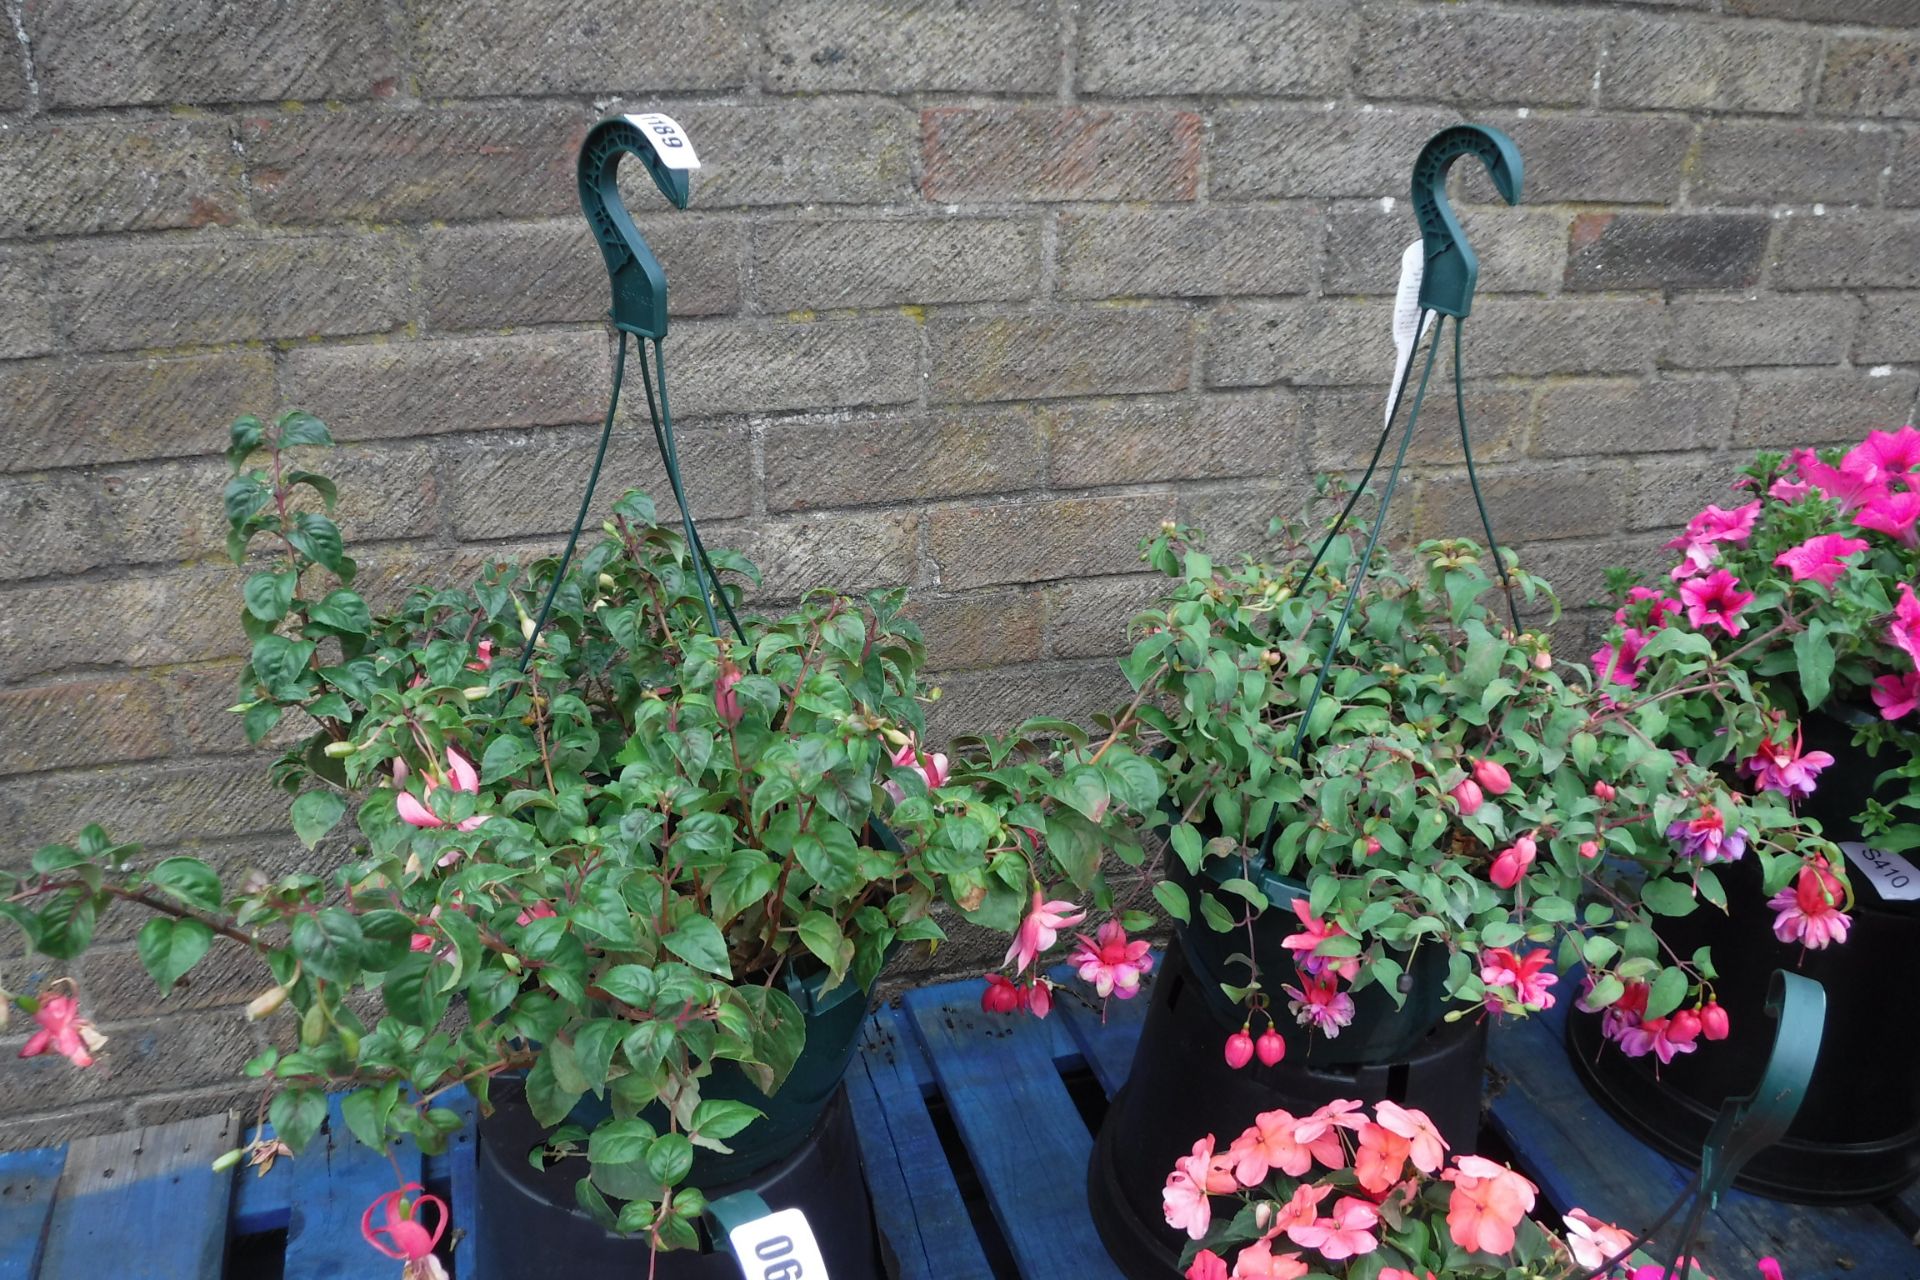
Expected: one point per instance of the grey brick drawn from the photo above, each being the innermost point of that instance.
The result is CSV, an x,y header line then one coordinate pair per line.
x,y
852,551
26,322
103,53
1666,251
1300,343
1189,253
1711,331
1577,571
952,454
1691,66
118,986
1042,540
1113,442
984,629
1821,406
1903,187
394,166
489,275
507,485
1086,351
1132,48
1865,249
228,288
201,697
13,80
492,48
53,1124
742,366
1235,519
1520,250
1890,330
1581,158
1343,425
1563,335
1615,417
1459,56
49,524
1524,505
75,178
1316,152
1881,13
82,722
419,388
1093,619
1871,76
1666,494
901,46
66,413
1743,162
140,1057
1059,153
817,151
997,701
182,616
870,262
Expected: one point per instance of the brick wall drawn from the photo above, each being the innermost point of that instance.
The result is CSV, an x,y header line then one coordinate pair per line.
x,y
973,293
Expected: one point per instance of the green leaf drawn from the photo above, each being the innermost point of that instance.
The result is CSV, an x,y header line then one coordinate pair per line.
x,y
1186,843
670,1157
593,1046
620,1142
1605,991
1813,656
318,539
822,936
343,611
366,1112
296,1115
298,427
721,1118
629,983
1215,915
1669,989
189,880
169,947
549,1102
329,943
66,925
315,813
1133,781
411,991
269,595
699,942
504,757
1668,898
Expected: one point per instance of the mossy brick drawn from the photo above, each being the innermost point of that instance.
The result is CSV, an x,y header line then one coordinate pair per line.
x,y
1666,250
1520,250
1871,76
148,803
1890,330
1769,162
378,164
1866,248
1140,440
1343,425
997,701
1569,334
1456,55
70,412
1666,493
908,46
162,292
1577,570
1257,153
79,177
1525,506
1235,517
507,484
140,1058
1730,330
26,318
1093,619
242,1098
389,389
201,698
1306,343
495,274
497,48
850,551
741,366
1709,65
997,153
118,987
1083,351
826,264
1609,417
946,453
1183,252
980,629
139,620
1248,48
1043,539
74,723
107,53
1591,158
1786,409
14,89
812,151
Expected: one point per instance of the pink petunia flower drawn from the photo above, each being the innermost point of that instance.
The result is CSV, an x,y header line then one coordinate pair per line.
x,y
1897,695
1715,599
1041,929
1821,558
1784,767
1111,963
1789,491
1857,480
1904,631
1809,913
1698,543
1894,514
1894,451
1347,1233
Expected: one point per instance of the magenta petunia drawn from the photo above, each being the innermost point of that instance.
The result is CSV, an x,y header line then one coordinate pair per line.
x,y
1715,599
1895,514
1904,631
1821,558
1897,695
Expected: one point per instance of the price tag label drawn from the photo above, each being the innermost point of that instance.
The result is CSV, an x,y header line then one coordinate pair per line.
x,y
1406,312
779,1246
670,141
1893,877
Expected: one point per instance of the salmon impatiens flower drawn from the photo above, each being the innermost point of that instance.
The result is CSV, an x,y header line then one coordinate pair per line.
x,y
1592,1241
1809,913
1258,1261
1425,1147
1195,1177
1273,1141
461,776
1041,929
1379,1159
1487,1203
1206,1265
406,1237
1111,963
63,1031
1347,1233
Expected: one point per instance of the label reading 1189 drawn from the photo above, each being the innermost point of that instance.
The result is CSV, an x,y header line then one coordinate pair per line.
x,y
670,141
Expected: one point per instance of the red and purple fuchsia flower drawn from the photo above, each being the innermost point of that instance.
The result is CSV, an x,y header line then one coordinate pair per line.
x,y
1706,837
1785,767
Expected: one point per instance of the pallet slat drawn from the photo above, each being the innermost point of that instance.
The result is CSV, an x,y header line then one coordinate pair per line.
x,y
333,1182
27,1183
143,1205
462,1164
1106,1038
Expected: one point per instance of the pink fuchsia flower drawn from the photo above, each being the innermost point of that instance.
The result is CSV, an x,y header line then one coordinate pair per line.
x,y
1897,695
1707,838
407,1238
1041,929
1783,767
1273,1142
1039,997
1111,963
461,776
1312,932
1524,975
1770,1269
1664,1038
1809,913
1206,1265
1258,1261
1821,558
1320,1004
726,702
63,1031
1492,777
1904,631
538,911
1425,1147
1592,1241
1698,543
1195,1177
483,657
1894,514
1346,1233
1513,861
932,768
1715,600
1466,794
1604,792
1487,1203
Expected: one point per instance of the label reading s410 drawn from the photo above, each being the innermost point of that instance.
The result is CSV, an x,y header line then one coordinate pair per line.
x,y
670,141
779,1246
1892,876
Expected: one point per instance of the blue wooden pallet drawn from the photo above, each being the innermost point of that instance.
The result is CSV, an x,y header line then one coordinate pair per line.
x,y
973,1129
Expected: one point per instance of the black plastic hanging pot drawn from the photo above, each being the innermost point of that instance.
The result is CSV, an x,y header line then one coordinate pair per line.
x,y
1857,1135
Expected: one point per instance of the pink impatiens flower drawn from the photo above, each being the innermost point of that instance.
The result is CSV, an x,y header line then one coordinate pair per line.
x,y
1784,767
1320,1004
1904,631
64,1031
1897,695
1487,1203
406,1237
1206,1265
1715,599
1040,930
461,776
1273,1141
1347,1233
1111,963
1525,975
1809,913
1194,1178
1592,1241
1821,558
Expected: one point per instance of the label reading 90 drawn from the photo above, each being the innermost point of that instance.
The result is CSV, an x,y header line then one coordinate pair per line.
x,y
669,140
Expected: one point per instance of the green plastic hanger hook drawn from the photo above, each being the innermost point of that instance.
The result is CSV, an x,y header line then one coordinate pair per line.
x,y
639,285
1452,270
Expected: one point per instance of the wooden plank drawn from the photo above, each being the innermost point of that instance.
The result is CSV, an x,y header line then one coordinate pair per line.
x,y
916,1201
334,1180
1020,1128
145,1204
27,1182
1106,1038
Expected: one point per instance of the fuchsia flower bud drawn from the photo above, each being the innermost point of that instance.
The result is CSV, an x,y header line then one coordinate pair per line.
x,y
1603,792
1466,793
1239,1049
1373,845
726,703
1492,777
1589,848
1270,1048
1001,996
1513,862
1684,1027
1713,1021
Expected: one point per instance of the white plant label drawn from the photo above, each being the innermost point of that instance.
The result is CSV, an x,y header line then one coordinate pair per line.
x,y
779,1246
1893,877
670,141
1406,311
